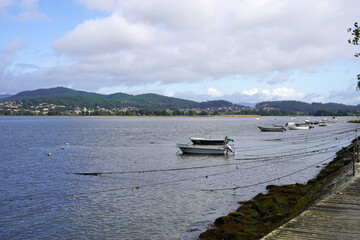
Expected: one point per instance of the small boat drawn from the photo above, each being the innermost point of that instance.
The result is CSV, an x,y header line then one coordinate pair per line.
x,y
272,129
192,149
305,124
325,124
299,127
209,141
279,125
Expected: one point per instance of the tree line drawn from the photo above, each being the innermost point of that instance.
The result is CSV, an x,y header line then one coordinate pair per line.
x,y
177,112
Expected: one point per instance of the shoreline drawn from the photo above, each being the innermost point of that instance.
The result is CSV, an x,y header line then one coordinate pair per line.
x,y
264,213
106,116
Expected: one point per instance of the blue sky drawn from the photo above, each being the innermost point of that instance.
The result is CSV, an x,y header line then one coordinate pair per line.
x,y
237,50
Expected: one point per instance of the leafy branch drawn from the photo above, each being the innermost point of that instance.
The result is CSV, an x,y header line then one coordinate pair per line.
x,y
355,32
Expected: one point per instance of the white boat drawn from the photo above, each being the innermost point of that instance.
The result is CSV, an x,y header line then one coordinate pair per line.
x,y
308,124
299,127
272,129
192,149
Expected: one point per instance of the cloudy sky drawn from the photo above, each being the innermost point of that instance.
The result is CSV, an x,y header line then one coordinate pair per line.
x,y
237,50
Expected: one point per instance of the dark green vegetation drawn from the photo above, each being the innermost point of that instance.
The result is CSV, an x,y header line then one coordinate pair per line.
x,y
312,109
355,33
73,98
266,212
65,101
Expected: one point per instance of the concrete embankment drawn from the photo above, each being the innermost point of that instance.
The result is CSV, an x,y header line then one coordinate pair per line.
x,y
266,212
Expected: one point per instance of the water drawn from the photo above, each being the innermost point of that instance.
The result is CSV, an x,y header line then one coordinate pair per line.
x,y
147,190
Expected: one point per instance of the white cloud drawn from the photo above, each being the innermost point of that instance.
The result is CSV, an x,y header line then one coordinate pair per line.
x,y
348,95
181,41
7,55
103,5
279,78
8,51
23,10
282,93
137,42
170,94
250,92
12,46
276,94
287,93
213,92
5,3
265,92
252,95
104,36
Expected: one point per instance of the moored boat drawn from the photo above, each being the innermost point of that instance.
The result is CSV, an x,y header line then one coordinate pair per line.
x,y
325,124
305,124
299,127
192,149
209,141
279,125
272,129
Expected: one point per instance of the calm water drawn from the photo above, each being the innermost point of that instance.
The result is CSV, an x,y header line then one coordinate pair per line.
x,y
148,190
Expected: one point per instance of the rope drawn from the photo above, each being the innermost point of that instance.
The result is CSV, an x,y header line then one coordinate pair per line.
x,y
267,181
32,197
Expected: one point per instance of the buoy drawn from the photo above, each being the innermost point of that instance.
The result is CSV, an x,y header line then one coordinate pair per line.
x,y
49,154
67,143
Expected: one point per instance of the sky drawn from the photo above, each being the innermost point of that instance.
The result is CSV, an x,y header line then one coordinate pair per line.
x,y
236,50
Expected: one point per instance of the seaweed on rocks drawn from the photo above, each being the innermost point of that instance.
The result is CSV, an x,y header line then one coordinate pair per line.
x,y
265,212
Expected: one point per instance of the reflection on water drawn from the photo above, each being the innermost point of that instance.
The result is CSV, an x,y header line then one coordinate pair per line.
x,y
141,186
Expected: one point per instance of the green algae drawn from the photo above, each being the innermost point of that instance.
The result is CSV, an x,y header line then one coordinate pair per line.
x,y
265,212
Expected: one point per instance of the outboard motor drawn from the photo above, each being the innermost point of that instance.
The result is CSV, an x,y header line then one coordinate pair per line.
x,y
229,148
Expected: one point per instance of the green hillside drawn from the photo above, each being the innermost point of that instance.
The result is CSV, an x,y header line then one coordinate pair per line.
x,y
308,108
49,93
72,98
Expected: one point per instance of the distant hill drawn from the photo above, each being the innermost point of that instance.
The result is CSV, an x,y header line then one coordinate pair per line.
x,y
4,96
49,93
73,98
246,104
309,108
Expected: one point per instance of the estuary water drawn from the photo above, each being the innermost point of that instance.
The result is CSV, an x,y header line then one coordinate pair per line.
x,y
139,186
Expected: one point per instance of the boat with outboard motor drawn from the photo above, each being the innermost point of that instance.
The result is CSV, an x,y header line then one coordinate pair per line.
x,y
192,149
210,150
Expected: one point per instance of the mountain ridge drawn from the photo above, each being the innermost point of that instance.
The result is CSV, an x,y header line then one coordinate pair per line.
x,y
310,108
74,98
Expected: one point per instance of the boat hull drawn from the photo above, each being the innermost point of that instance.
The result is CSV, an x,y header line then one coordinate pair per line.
x,y
187,149
202,141
299,127
322,124
272,129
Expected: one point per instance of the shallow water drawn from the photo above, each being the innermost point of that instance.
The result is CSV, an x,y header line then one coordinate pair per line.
x,y
147,189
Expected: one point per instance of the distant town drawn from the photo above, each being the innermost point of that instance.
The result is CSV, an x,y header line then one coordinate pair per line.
x,y
16,108
60,101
